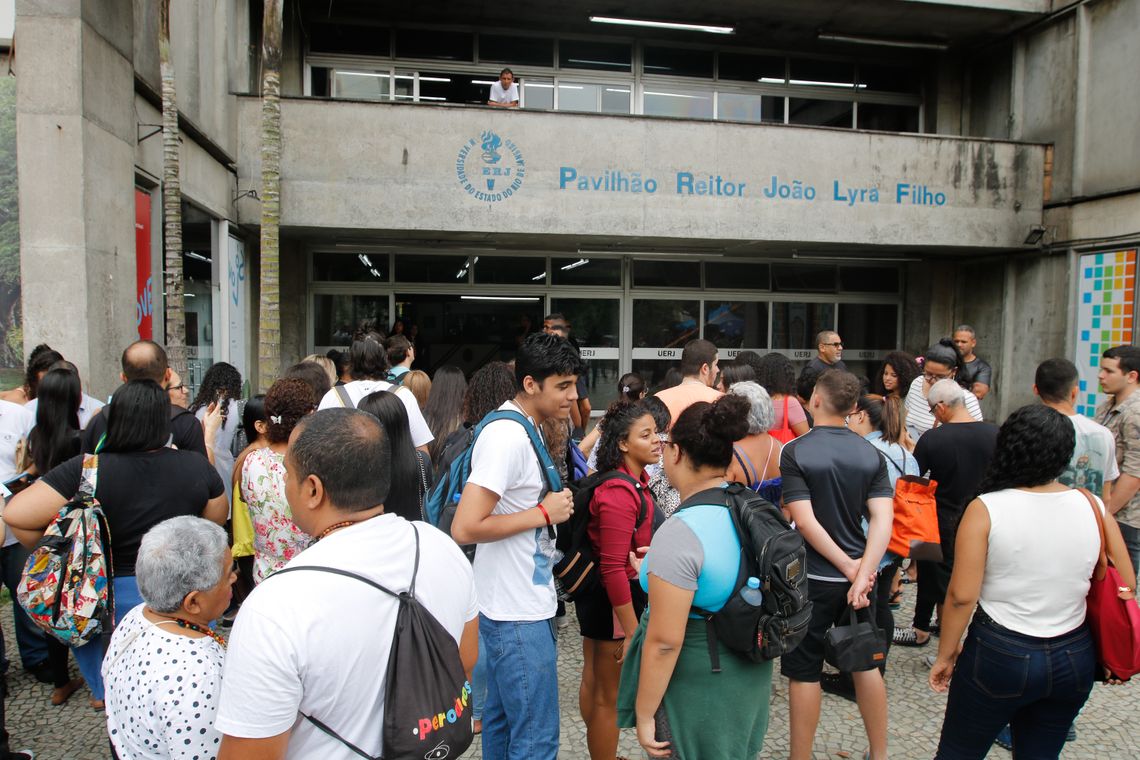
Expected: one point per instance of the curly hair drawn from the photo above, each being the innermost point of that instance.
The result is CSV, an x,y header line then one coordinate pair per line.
x,y
221,381
288,401
777,374
490,386
705,432
1033,448
615,425
905,368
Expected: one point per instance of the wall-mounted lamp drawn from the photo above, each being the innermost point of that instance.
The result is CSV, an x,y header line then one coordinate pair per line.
x,y
1036,233
250,193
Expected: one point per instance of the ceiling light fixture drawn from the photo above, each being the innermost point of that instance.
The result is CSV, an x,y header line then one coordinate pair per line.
x,y
499,298
882,41
710,28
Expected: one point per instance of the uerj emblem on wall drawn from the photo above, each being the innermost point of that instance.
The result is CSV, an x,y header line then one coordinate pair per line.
x,y
490,168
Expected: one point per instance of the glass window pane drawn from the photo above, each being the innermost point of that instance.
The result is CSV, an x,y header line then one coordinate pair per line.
x,y
736,106
578,97
336,317
869,279
405,85
516,50
660,274
468,333
653,371
355,38
537,93
615,98
794,325
868,327
837,73
594,322
888,118
435,43
682,62
820,113
428,267
329,266
737,275
508,270
664,324
891,78
572,271
742,67
693,104
449,87
601,383
362,85
736,324
319,82
804,278
605,56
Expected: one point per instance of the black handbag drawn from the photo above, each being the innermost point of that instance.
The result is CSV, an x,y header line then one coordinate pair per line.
x,y
857,646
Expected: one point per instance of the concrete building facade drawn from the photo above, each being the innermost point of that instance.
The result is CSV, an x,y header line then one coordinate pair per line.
x,y
889,169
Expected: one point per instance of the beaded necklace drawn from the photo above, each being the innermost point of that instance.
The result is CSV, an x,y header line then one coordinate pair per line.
x,y
334,526
197,628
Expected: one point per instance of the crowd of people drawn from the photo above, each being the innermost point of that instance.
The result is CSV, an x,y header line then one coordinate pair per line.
x,y
208,500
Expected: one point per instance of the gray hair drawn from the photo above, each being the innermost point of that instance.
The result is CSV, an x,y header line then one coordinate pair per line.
x,y
966,329
179,556
945,392
761,417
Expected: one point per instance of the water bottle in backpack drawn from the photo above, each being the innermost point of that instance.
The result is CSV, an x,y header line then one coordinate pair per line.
x,y
750,592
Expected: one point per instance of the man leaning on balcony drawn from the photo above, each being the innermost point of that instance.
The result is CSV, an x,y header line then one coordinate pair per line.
x,y
505,92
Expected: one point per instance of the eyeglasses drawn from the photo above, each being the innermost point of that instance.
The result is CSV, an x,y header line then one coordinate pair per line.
x,y
935,378
935,405
179,387
834,345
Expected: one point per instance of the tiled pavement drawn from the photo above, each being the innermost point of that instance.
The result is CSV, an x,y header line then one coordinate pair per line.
x,y
76,732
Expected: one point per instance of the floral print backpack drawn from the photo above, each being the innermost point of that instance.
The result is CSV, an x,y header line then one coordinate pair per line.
x,y
66,586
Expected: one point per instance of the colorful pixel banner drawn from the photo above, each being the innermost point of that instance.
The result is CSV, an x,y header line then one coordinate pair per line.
x,y
1105,301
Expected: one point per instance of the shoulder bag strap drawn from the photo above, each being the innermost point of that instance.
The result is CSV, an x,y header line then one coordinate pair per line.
x,y
772,444
345,399
746,465
1102,559
637,486
89,476
786,425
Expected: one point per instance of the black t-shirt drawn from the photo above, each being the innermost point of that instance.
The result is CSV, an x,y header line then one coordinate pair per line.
x,y
838,471
977,371
185,430
957,455
138,490
820,366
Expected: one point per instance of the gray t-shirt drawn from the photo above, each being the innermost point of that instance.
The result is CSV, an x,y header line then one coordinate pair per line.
x,y
977,371
838,471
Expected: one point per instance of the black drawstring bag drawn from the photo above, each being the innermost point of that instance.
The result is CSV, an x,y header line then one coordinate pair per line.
x,y
427,698
857,646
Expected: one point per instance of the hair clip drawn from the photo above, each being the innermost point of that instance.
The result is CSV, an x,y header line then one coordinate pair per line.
x,y
625,389
275,419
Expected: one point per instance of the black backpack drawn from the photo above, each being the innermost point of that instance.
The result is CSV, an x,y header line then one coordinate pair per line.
x,y
772,551
426,693
578,573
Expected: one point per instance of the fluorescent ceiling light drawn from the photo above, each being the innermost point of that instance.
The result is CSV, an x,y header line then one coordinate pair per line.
x,y
431,97
617,64
575,264
569,87
482,81
882,41
812,83
364,74
678,95
198,256
616,89
364,259
711,29
538,277
499,298
434,79
537,84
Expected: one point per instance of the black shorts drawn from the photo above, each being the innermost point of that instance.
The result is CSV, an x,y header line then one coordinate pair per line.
x,y
596,618
829,608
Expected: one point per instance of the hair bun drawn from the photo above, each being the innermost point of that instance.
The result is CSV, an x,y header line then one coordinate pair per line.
x,y
727,420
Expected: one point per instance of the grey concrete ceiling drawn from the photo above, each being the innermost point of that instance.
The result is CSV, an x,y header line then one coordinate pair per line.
x,y
789,25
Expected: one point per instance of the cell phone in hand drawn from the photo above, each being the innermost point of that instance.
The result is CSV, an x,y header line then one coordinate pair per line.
x,y
663,733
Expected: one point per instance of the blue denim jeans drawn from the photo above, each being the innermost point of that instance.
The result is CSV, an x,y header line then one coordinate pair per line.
x,y
89,657
520,718
30,640
1132,541
1035,685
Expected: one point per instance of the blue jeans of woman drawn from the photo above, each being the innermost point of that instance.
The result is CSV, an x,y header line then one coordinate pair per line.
x,y
1036,685
89,657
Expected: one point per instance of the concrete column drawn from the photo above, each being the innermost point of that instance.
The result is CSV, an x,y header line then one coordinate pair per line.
x,y
75,144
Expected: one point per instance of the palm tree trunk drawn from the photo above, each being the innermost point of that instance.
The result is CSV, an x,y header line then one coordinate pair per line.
x,y
269,314
171,204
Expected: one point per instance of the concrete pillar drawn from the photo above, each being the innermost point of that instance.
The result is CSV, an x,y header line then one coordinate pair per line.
x,y
76,134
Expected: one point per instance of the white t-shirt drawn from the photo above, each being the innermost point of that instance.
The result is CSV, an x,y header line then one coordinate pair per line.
x,y
514,575
358,389
162,691
919,418
1094,456
88,406
15,424
1042,550
318,644
499,95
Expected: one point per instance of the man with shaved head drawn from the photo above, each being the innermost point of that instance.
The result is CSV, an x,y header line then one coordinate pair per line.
x,y
956,453
146,360
829,352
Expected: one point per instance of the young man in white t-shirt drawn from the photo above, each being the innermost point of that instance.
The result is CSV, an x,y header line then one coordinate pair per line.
x,y
505,92
1093,464
369,360
311,643
506,509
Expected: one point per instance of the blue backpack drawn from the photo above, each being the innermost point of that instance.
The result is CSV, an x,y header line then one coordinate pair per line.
x,y
443,500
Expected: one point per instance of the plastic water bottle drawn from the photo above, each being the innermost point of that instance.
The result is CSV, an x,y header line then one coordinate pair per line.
x,y
750,592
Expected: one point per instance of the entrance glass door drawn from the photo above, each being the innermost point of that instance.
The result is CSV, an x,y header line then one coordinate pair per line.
x,y
594,325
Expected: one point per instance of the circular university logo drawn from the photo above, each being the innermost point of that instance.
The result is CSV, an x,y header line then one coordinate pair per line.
x,y
490,168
